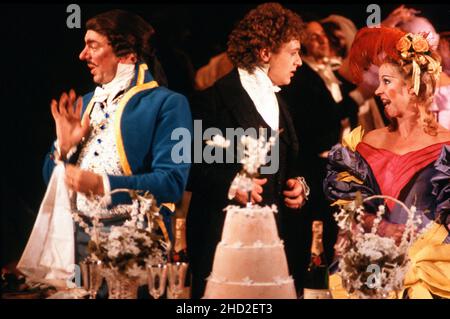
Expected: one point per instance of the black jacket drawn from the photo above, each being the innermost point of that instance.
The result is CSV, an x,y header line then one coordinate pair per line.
x,y
315,114
227,105
317,119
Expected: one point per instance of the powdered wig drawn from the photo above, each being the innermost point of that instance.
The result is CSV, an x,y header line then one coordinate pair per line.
x,y
268,26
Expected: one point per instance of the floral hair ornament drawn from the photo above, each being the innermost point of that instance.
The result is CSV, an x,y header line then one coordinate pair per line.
x,y
415,48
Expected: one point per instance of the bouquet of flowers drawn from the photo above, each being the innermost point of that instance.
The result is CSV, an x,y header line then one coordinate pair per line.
x,y
255,155
129,248
373,266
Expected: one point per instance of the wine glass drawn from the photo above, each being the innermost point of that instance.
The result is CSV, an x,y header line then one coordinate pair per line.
x,y
177,275
92,277
157,277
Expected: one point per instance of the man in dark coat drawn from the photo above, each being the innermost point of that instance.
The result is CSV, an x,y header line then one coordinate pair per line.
x,y
265,53
321,111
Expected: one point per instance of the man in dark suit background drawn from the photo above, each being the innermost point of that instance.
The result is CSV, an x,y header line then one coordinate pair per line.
x,y
322,111
264,48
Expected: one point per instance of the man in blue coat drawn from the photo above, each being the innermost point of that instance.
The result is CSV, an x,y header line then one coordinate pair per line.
x,y
120,135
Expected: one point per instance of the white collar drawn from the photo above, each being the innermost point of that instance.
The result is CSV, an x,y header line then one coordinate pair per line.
x,y
261,90
316,66
324,69
122,80
333,63
259,78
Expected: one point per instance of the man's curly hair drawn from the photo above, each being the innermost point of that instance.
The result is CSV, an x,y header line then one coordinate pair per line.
x,y
269,25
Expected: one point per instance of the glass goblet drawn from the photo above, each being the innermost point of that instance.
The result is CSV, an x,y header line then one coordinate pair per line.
x,y
157,277
92,277
177,275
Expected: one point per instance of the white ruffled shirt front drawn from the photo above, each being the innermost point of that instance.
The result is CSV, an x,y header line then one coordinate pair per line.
x,y
262,91
99,154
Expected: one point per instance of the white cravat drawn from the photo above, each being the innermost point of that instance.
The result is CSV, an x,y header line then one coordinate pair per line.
x,y
262,92
122,80
326,73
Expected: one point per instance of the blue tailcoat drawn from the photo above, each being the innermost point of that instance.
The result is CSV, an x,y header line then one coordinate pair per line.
x,y
144,121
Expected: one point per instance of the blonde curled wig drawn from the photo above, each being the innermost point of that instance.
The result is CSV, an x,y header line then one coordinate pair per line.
x,y
424,97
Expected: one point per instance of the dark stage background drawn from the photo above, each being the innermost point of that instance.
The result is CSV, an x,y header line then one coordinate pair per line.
x,y
40,60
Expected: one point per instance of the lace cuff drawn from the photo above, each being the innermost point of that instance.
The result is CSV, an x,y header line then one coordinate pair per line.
x,y
106,190
58,158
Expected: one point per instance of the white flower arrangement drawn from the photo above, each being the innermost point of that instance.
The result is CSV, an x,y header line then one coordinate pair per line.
x,y
373,266
218,141
255,152
255,155
131,247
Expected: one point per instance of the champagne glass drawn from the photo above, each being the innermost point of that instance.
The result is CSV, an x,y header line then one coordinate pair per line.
x,y
157,277
92,277
177,275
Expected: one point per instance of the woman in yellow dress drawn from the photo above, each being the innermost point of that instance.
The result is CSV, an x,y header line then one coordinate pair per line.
x,y
408,160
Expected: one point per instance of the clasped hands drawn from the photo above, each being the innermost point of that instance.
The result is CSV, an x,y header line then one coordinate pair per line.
x,y
294,196
70,130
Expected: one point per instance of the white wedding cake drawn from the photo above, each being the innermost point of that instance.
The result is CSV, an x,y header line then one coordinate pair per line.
x,y
250,260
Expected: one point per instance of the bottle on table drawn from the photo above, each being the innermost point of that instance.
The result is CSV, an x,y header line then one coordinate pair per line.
x,y
179,255
316,284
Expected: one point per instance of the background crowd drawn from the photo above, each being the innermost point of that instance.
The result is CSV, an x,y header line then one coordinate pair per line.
x,y
190,41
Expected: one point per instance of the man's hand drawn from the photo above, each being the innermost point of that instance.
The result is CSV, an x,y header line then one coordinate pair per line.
x,y
398,16
242,197
83,181
69,128
295,195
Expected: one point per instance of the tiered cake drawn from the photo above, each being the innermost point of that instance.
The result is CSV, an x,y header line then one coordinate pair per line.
x,y
250,261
